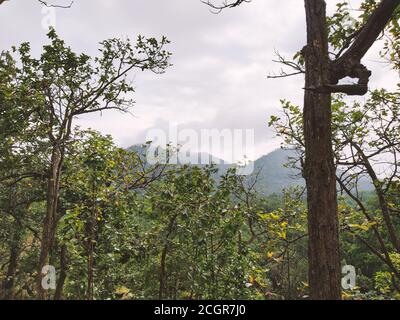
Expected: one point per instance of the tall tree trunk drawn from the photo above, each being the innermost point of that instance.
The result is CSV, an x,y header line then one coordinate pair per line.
x,y
163,272
90,263
322,78
319,171
15,250
49,224
90,255
7,285
63,273
91,228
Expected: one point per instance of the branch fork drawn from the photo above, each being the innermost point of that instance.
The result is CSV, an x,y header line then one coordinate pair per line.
x,y
349,63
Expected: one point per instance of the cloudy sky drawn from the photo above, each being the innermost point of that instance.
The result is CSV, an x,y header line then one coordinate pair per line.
x,y
220,62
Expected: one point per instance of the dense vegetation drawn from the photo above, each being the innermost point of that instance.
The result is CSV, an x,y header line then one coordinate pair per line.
x,y
116,227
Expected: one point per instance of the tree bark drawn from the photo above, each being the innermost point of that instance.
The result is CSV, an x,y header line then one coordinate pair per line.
x,y
367,36
90,252
162,275
63,273
15,250
322,77
15,244
162,272
319,171
49,224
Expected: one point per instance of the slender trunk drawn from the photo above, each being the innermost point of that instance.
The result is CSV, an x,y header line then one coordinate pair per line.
x,y
319,171
63,273
387,216
384,256
89,290
289,284
164,257
162,272
90,264
15,250
91,232
49,224
381,198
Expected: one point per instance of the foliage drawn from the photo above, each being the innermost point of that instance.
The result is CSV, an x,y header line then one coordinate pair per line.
x,y
125,229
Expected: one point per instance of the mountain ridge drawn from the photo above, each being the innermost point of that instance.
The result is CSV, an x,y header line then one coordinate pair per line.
x,y
272,173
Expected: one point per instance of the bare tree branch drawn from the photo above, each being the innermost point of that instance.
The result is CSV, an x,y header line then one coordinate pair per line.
x,y
224,5
45,3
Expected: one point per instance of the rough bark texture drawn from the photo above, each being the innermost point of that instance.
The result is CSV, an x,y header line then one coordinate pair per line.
x,y
322,76
319,171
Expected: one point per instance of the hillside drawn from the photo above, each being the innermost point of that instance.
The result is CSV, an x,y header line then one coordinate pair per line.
x,y
273,175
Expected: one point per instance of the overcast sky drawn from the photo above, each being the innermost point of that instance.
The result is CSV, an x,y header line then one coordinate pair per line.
x,y
220,62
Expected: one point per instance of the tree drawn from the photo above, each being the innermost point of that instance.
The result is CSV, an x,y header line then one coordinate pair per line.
x,y
322,76
196,249
100,182
22,173
66,85
47,4
366,141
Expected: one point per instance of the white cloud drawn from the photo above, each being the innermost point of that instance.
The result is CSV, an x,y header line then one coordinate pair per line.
x,y
221,62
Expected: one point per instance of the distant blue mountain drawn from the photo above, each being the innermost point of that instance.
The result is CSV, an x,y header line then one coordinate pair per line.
x,y
273,174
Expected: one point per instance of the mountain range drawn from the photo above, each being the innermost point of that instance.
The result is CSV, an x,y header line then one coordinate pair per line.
x,y
273,175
